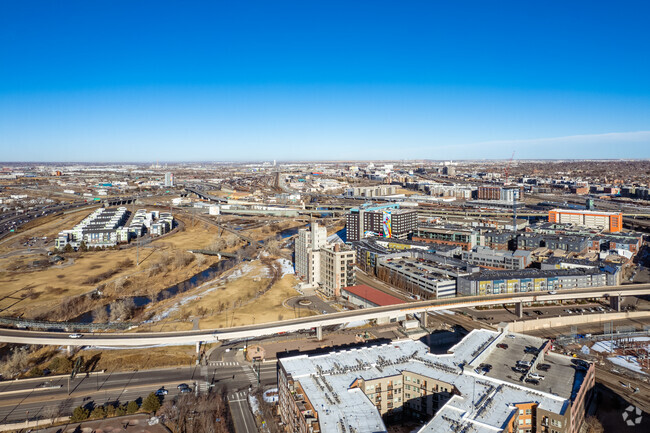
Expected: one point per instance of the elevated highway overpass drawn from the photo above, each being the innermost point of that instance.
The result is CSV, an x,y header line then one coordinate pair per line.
x,y
135,339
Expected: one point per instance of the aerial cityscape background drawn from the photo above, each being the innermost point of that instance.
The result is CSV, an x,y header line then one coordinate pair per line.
x,y
324,217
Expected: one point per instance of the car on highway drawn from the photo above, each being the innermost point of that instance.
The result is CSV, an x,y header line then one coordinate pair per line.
x,y
185,389
75,336
182,385
552,292
162,391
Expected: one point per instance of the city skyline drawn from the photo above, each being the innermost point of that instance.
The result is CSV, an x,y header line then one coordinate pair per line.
x,y
137,83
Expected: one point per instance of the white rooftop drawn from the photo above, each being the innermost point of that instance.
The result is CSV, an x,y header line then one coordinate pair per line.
x,y
485,403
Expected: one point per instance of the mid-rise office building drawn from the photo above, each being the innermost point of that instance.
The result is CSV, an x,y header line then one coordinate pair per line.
x,y
608,221
169,179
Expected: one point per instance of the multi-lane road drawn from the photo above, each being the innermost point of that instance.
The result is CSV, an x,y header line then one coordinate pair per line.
x,y
134,339
42,397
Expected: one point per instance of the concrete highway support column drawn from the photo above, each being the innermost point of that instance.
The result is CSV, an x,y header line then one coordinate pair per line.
x,y
423,319
319,333
198,347
519,309
615,302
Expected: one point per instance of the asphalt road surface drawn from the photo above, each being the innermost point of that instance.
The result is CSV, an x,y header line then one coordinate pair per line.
x,y
39,398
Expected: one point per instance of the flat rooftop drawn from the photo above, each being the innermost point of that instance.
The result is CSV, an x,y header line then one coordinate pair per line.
x,y
484,404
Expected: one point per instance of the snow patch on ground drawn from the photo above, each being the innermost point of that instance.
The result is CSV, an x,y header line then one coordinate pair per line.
x,y
246,269
629,362
355,324
604,346
270,395
286,267
255,406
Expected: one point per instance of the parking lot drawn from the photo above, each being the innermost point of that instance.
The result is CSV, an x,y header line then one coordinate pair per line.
x,y
558,379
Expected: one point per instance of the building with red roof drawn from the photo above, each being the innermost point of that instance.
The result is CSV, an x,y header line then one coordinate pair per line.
x,y
367,297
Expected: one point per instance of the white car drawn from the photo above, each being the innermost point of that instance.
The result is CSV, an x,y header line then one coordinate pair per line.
x,y
75,336
552,292
536,376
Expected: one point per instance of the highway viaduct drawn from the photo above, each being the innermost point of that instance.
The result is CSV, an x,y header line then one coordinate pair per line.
x,y
136,339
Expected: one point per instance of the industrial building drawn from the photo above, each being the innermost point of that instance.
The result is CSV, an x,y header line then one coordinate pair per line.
x,y
608,221
356,390
387,221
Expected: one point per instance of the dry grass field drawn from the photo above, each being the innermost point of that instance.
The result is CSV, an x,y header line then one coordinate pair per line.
x,y
38,291
234,300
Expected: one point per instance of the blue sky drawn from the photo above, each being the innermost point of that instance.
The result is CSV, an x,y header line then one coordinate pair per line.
x,y
200,81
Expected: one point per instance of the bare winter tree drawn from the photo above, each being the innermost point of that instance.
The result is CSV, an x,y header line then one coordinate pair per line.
x,y
100,315
15,363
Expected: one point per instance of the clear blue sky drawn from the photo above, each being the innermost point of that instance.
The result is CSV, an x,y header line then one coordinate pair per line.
x,y
225,80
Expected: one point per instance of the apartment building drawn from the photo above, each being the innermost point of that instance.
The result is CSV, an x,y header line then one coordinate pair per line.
x,y
497,259
326,266
99,229
355,390
336,269
447,235
569,243
529,280
307,253
386,221
372,191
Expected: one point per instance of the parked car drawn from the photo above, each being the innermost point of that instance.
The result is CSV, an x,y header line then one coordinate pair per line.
x,y
536,376
502,346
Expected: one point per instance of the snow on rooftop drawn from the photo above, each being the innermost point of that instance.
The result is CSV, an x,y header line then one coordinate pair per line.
x,y
485,404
